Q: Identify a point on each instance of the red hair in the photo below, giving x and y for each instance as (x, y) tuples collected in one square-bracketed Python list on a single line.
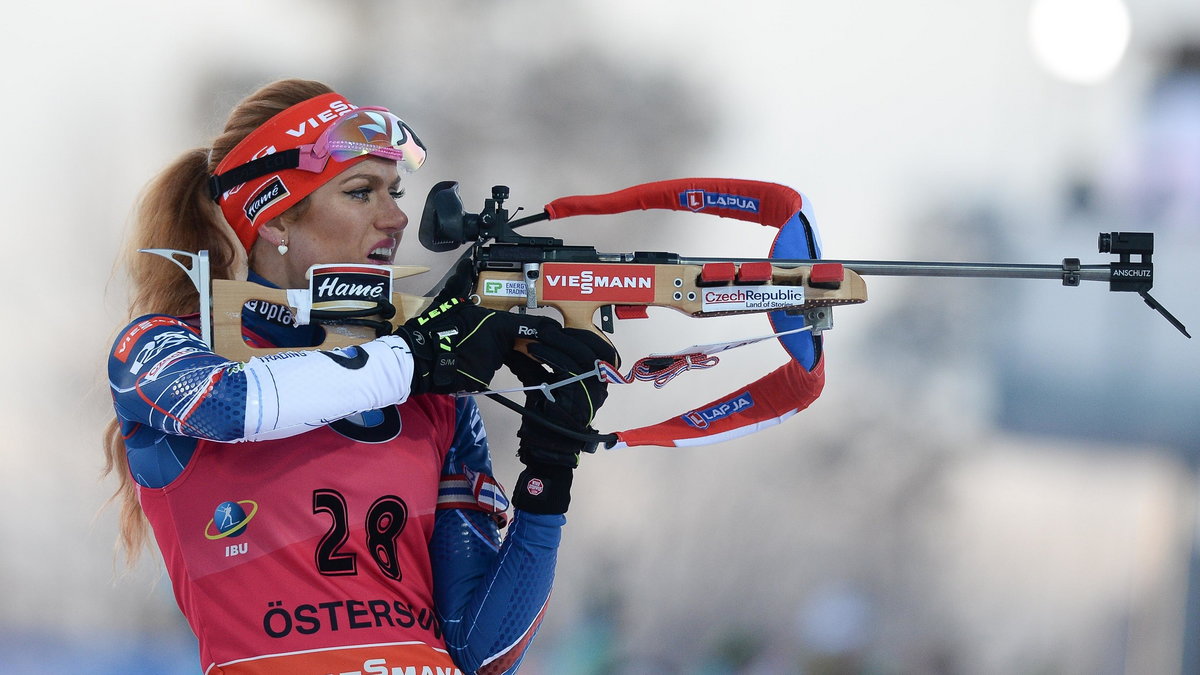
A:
[(176, 211)]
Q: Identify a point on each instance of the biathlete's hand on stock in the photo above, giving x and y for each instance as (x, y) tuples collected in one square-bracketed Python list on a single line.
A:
[(549, 456), (458, 346)]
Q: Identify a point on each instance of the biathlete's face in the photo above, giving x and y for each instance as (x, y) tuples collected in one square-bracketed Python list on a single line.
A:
[(353, 218)]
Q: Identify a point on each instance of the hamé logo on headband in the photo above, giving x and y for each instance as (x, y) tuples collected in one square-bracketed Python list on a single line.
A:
[(268, 194)]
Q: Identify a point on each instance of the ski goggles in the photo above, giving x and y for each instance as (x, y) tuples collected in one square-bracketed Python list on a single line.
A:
[(363, 131)]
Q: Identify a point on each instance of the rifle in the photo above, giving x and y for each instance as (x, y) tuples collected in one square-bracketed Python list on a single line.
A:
[(794, 285)]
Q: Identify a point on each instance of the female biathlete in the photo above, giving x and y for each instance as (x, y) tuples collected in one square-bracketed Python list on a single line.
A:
[(331, 511)]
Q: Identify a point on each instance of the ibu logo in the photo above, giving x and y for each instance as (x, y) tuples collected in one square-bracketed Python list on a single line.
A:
[(230, 519)]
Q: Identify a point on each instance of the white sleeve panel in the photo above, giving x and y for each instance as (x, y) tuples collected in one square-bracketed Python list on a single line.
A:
[(293, 392)]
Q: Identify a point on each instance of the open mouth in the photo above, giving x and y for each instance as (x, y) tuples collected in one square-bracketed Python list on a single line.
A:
[(383, 253)]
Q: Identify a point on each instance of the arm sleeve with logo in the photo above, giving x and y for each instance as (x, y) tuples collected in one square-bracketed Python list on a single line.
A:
[(161, 374), (490, 595)]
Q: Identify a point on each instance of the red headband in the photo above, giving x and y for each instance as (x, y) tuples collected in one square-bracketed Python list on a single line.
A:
[(248, 205)]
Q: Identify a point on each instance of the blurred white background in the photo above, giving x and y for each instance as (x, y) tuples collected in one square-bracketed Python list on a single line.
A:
[(1001, 476)]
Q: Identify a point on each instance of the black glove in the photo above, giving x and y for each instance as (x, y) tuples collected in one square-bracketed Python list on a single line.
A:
[(544, 486), (459, 346)]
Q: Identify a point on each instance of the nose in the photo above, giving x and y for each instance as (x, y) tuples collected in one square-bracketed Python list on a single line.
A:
[(393, 219)]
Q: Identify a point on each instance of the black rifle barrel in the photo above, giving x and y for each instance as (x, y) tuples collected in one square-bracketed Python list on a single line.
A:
[(897, 268)]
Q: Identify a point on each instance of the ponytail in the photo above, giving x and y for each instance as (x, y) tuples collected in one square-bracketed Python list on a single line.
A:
[(176, 212)]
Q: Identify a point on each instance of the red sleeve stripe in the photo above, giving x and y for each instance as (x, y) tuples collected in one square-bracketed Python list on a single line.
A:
[(510, 657)]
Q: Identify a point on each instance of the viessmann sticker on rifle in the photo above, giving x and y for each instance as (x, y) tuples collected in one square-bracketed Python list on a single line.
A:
[(601, 283), (751, 298)]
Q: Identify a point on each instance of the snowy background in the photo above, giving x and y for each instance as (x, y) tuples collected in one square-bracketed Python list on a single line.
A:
[(1001, 476)]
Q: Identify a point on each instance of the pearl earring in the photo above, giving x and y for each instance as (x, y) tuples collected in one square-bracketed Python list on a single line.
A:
[(282, 248)]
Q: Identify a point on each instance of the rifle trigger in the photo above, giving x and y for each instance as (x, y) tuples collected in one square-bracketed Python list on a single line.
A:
[(607, 324)]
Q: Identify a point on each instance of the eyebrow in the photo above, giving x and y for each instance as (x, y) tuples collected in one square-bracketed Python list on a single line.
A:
[(370, 178)]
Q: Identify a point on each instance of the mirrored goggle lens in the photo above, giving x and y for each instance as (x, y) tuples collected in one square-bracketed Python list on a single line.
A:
[(373, 132)]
